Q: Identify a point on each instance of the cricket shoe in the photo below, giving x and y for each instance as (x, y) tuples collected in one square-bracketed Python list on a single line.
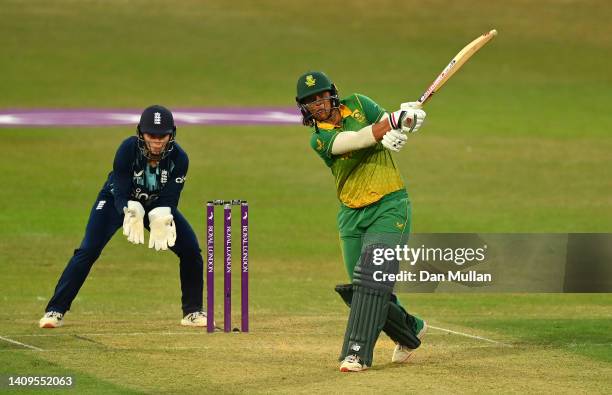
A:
[(352, 363), (401, 353), (51, 319), (197, 318)]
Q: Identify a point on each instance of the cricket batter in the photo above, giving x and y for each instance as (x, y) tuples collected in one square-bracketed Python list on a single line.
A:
[(355, 136), (142, 191)]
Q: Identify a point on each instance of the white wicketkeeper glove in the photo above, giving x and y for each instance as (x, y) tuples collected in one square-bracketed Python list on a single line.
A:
[(133, 226), (408, 118), (163, 231), (394, 140)]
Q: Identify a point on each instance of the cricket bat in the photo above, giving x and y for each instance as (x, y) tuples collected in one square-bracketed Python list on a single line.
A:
[(455, 64)]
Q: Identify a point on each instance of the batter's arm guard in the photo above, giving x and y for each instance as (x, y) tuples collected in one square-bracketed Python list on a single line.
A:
[(352, 141)]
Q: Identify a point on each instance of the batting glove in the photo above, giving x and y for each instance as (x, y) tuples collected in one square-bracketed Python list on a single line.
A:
[(133, 226), (394, 140), (411, 104), (163, 230), (407, 118)]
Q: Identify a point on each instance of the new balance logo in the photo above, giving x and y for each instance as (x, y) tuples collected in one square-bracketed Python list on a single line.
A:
[(157, 118), (101, 204)]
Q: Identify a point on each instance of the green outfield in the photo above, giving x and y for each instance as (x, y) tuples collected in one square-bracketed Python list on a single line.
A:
[(518, 141)]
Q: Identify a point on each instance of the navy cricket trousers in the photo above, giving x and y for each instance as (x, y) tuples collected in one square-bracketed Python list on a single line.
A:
[(104, 221)]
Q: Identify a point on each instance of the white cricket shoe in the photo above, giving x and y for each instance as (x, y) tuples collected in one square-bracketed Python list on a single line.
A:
[(197, 318), (401, 353), (51, 319), (352, 363)]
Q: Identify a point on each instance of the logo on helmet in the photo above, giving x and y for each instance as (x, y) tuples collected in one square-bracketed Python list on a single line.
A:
[(157, 118), (310, 81)]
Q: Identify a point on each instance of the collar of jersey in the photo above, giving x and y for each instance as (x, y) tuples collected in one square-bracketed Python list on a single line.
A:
[(344, 112)]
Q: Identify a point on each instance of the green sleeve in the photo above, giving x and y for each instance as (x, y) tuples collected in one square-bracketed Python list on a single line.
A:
[(371, 109), (322, 141)]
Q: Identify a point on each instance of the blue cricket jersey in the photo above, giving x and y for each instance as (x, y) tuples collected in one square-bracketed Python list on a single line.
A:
[(132, 178)]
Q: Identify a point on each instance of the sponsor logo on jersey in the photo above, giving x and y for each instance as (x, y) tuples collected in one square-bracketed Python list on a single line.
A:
[(358, 115), (140, 195), (320, 145), (138, 178), (180, 180)]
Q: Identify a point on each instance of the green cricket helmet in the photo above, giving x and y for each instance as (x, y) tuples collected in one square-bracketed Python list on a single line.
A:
[(311, 83)]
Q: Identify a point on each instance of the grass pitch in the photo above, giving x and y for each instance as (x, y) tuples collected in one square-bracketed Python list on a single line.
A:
[(123, 334), (129, 350), (518, 141)]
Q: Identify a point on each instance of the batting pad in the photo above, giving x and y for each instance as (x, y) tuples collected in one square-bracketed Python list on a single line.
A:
[(369, 306), (399, 325)]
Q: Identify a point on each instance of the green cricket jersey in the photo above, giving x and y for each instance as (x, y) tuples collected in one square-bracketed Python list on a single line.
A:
[(363, 176)]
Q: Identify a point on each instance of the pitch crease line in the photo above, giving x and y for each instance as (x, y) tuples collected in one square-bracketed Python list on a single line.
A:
[(6, 339), (468, 335), (110, 334)]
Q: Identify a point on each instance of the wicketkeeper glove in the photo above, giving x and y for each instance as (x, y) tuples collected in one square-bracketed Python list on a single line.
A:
[(163, 231), (133, 226)]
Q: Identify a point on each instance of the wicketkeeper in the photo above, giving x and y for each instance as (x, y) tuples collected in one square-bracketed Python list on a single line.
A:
[(355, 136), (142, 191)]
